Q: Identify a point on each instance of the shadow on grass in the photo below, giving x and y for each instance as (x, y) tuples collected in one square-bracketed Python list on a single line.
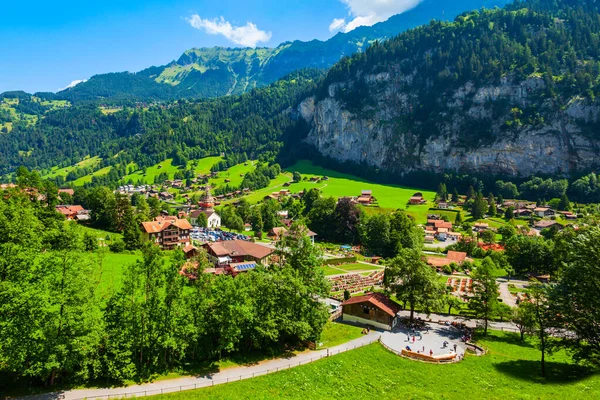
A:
[(506, 337), (556, 373)]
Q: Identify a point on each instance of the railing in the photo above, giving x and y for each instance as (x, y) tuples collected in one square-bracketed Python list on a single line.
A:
[(399, 353), (200, 385)]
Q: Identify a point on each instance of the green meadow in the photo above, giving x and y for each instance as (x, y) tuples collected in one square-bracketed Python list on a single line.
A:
[(510, 370)]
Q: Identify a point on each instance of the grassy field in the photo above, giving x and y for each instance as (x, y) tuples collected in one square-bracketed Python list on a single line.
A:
[(350, 268), (88, 162), (389, 197), (88, 178), (335, 334), (510, 370), (201, 166)]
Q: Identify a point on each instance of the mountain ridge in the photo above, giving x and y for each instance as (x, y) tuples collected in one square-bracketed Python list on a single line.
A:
[(220, 71)]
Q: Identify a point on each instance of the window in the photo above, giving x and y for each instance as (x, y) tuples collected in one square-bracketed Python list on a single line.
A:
[(366, 310)]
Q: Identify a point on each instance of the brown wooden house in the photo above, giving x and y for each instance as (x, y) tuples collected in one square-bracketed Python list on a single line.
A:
[(374, 309)]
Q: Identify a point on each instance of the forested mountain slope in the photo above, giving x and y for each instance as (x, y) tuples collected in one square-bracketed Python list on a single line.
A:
[(215, 72), (506, 92), (256, 123)]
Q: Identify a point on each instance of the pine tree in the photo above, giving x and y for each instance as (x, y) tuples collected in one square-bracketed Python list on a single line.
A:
[(491, 205), (132, 236)]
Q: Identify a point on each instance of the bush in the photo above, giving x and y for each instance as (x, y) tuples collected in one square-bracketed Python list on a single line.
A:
[(341, 260), (117, 247)]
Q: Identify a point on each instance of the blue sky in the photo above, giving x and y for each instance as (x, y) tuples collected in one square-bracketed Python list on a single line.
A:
[(45, 45)]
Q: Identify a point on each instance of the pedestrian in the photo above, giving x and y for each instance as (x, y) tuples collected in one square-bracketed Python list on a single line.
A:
[(430, 353), (414, 338), (408, 338), (423, 349), (455, 347)]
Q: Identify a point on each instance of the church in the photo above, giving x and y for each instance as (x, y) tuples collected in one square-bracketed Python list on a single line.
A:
[(207, 207)]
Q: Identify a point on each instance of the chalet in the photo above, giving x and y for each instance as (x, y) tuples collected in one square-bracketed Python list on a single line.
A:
[(190, 251), (237, 268), (238, 251), (522, 212), (66, 191), (374, 309), (456, 257), (545, 224), (481, 226), (167, 232), (165, 196), (417, 199), (73, 213), (442, 205), (283, 214), (277, 233), (247, 227), (544, 212)]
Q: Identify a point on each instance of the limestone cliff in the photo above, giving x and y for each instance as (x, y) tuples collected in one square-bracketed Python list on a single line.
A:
[(505, 129)]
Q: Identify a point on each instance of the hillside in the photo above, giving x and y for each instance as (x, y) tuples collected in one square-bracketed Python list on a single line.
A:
[(215, 72), (517, 101)]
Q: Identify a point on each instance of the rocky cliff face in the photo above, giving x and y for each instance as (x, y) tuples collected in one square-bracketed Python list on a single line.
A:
[(506, 129)]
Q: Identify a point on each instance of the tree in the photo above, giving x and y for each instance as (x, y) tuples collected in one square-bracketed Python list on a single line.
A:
[(491, 205), (132, 235), (459, 219), (529, 254), (507, 232), (296, 176), (470, 193), (485, 291), (202, 220), (257, 223), (377, 234), (544, 318), (90, 243), (321, 218), (413, 281), (479, 207), (488, 237), (451, 302), (509, 213), (524, 318), (347, 217), (576, 295), (455, 196), (564, 204), (442, 192)]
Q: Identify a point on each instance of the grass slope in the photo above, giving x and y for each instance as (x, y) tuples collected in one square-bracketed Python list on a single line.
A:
[(509, 371), (390, 197)]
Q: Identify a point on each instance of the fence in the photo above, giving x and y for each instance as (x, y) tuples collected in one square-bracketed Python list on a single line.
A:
[(200, 385)]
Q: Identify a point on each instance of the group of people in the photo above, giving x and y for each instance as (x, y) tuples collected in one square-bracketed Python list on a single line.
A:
[(421, 351)]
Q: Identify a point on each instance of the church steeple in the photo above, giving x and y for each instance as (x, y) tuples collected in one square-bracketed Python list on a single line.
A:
[(207, 202)]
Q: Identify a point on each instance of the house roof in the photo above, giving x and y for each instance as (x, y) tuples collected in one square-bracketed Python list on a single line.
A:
[(236, 248), (189, 248), (69, 210), (541, 209), (378, 300), (457, 256), (163, 223)]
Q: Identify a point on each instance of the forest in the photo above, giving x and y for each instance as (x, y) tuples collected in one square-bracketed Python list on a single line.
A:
[(60, 325)]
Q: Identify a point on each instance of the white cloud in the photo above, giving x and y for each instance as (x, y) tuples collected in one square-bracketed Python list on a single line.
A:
[(248, 35), (337, 24), (73, 84), (370, 12)]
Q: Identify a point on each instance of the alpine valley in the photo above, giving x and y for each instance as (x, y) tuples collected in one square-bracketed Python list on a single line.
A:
[(498, 92)]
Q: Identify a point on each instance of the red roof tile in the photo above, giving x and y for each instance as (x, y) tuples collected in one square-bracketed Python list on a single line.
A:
[(378, 300)]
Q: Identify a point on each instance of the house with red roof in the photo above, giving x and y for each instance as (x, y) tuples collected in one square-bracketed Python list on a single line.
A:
[(167, 232), (374, 309)]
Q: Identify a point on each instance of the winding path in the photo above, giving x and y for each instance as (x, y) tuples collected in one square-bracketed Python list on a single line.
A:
[(217, 378)]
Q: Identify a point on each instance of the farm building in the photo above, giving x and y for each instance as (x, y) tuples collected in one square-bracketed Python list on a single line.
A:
[(373, 309)]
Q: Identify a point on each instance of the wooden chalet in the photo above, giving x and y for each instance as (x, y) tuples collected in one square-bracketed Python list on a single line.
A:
[(373, 309)]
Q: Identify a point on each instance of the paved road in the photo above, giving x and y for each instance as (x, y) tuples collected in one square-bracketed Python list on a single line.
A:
[(471, 323), (224, 376)]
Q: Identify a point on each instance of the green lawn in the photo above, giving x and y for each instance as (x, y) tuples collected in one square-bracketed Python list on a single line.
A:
[(350, 268), (510, 370), (55, 171), (151, 172), (335, 334), (110, 268), (233, 175), (88, 178), (390, 197)]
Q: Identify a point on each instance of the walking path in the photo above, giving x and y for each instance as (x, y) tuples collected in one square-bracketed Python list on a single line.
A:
[(471, 323), (225, 376)]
